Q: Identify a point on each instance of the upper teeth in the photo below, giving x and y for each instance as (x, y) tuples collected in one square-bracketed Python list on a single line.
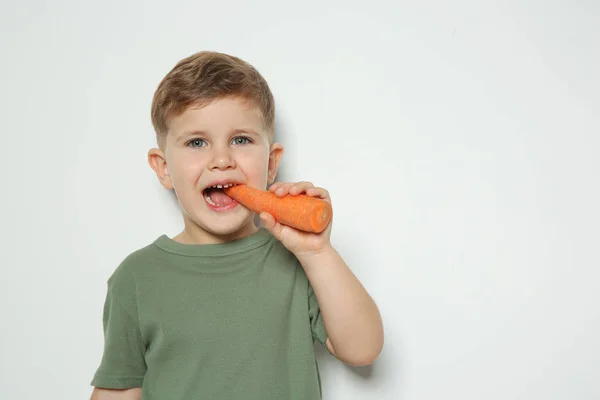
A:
[(222, 186)]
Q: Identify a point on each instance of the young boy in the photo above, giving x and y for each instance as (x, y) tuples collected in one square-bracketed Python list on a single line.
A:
[(226, 309)]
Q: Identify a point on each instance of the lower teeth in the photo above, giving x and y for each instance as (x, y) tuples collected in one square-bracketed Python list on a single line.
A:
[(209, 201)]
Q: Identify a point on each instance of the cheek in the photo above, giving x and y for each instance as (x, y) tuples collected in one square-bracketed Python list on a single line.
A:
[(255, 166), (186, 169)]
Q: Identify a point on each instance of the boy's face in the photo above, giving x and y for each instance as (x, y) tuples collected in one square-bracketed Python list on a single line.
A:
[(222, 142)]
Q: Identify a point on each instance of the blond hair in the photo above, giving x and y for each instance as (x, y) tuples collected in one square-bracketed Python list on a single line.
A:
[(204, 77)]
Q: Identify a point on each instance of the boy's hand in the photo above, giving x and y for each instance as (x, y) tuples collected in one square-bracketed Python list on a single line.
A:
[(351, 317), (298, 242)]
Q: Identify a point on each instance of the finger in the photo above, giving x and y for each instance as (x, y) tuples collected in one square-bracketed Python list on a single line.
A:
[(300, 187), (283, 189), (267, 220), (274, 186), (318, 192), (271, 224)]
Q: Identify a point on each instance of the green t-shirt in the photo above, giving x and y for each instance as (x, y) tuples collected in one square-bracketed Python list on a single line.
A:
[(216, 321)]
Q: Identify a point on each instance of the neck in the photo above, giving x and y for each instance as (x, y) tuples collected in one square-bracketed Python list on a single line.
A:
[(194, 234)]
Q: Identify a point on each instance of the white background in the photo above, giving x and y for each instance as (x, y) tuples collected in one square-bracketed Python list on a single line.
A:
[(459, 141)]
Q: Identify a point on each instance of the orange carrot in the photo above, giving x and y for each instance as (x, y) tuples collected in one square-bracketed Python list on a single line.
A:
[(303, 212)]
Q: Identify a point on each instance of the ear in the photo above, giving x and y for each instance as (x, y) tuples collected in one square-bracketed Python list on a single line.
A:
[(274, 157), (158, 162)]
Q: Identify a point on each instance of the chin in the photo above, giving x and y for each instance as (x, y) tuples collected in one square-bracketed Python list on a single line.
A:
[(228, 225)]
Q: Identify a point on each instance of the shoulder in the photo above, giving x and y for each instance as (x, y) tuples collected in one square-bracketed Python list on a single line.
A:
[(282, 261), (124, 275), (280, 254)]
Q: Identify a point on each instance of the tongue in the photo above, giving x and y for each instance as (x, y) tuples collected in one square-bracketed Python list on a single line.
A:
[(219, 197)]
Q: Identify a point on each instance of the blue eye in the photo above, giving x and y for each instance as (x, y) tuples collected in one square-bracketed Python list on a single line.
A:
[(196, 143), (242, 140)]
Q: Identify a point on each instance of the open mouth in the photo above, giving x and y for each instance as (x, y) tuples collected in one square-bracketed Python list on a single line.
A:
[(216, 197)]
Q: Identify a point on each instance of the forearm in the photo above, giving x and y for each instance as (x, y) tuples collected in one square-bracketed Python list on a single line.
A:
[(351, 317), (116, 394)]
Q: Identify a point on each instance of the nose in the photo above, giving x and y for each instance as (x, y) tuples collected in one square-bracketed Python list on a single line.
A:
[(222, 159)]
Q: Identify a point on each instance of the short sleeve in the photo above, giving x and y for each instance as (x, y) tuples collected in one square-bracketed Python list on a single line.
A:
[(317, 325), (122, 365)]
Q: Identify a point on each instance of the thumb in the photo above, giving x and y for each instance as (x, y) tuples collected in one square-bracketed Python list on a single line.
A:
[(271, 224)]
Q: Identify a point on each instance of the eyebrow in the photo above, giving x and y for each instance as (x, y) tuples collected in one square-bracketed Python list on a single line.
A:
[(190, 133), (246, 130), (187, 134)]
